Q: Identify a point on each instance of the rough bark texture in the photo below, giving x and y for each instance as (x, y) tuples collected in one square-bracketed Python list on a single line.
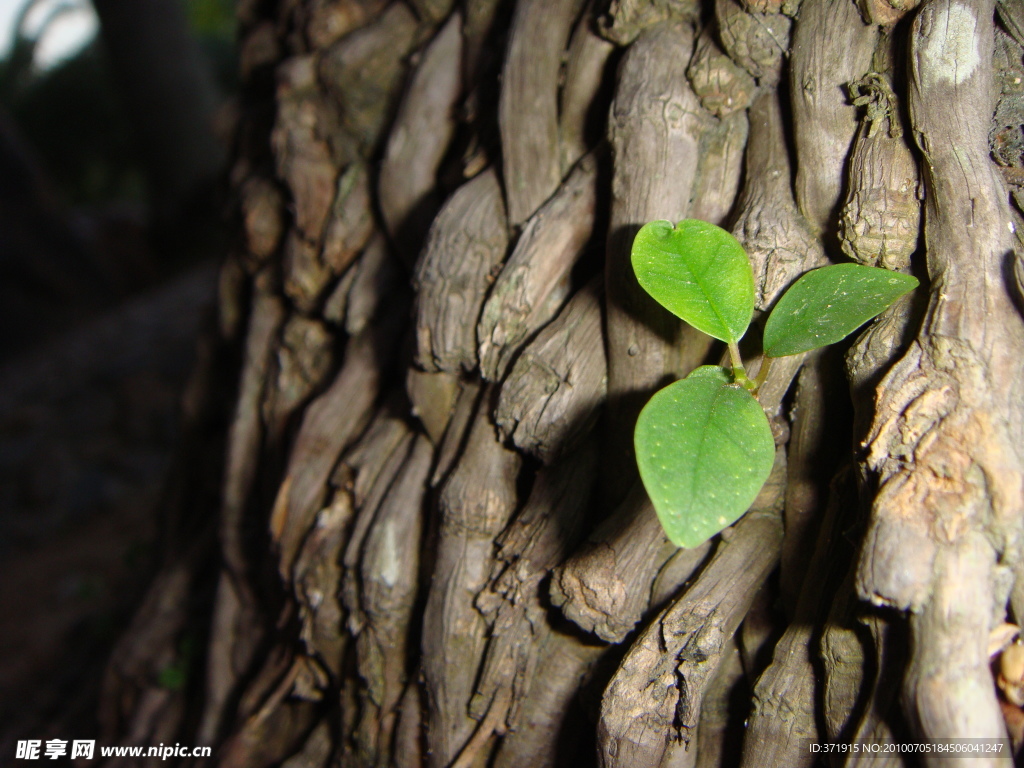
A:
[(535, 280), (430, 545), (831, 48), (529, 103), (937, 401), (420, 136), (466, 242)]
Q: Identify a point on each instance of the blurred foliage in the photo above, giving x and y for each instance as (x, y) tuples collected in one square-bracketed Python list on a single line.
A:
[(213, 23), (212, 18)]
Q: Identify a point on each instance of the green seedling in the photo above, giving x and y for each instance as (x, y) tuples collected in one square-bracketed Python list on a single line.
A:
[(703, 444)]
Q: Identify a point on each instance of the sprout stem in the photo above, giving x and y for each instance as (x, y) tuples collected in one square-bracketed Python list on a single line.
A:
[(738, 371), (762, 373)]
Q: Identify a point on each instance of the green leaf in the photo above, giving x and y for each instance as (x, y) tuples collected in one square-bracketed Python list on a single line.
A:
[(828, 304), (704, 449), (716, 372), (698, 272)]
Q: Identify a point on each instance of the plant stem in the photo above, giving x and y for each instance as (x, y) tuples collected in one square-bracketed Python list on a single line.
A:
[(738, 371), (762, 373)]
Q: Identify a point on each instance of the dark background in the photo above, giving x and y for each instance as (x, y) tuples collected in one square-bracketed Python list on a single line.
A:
[(111, 230)]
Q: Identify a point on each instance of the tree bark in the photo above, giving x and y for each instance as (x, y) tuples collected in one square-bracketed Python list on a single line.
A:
[(431, 546)]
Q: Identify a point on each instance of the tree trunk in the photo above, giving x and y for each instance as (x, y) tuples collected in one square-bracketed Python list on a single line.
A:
[(428, 544)]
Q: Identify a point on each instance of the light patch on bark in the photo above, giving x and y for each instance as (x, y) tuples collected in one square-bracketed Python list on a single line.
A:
[(953, 56), (390, 563)]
